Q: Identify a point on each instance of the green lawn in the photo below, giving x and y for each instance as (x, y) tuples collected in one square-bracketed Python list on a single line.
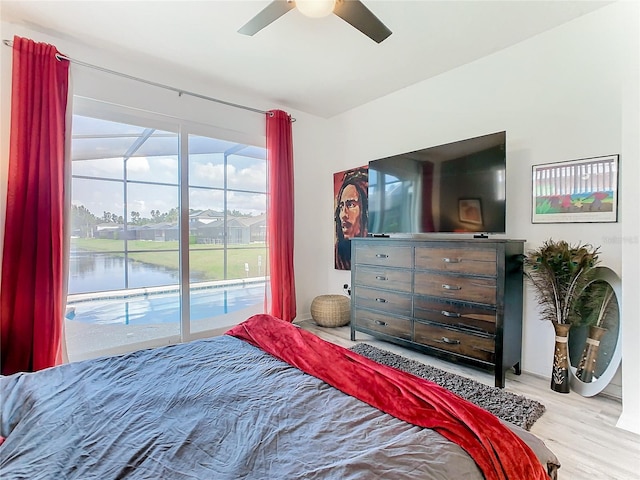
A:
[(207, 261)]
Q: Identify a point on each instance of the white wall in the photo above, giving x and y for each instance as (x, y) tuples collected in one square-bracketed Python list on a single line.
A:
[(630, 239), (563, 95)]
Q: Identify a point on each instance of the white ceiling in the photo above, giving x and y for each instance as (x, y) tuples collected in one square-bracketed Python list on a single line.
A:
[(320, 66)]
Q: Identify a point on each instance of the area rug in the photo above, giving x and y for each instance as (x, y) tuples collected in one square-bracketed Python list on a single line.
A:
[(508, 406)]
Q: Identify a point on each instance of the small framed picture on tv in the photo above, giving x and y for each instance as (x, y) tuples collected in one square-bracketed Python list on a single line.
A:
[(470, 210), (576, 191)]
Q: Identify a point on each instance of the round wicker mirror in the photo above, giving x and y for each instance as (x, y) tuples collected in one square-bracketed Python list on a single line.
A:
[(595, 348)]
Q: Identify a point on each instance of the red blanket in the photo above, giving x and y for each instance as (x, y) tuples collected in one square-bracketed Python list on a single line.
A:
[(499, 453)]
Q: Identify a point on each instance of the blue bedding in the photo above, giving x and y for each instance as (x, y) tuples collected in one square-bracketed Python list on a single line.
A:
[(210, 409)]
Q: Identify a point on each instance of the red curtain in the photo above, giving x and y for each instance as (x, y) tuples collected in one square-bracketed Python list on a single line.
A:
[(280, 216), (33, 278)]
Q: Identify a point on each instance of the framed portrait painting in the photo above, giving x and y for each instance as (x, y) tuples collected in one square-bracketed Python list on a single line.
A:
[(576, 191), (350, 212)]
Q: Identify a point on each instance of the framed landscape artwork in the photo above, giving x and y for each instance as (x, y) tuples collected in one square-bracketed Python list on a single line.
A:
[(576, 191)]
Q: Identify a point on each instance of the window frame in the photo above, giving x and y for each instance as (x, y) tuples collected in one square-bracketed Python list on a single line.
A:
[(184, 128)]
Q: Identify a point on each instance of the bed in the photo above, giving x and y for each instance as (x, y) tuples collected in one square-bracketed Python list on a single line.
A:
[(268, 400)]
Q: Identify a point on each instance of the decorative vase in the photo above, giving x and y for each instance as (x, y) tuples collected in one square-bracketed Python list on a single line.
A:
[(587, 365), (560, 373)]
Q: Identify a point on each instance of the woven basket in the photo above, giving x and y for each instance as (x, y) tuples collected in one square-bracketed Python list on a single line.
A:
[(331, 310)]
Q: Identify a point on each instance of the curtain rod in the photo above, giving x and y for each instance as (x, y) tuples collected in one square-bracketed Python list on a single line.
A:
[(179, 91)]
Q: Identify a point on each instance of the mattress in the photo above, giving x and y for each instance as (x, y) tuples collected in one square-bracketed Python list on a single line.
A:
[(218, 408)]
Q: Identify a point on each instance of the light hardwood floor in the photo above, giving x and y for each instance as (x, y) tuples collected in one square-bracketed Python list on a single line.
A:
[(580, 431)]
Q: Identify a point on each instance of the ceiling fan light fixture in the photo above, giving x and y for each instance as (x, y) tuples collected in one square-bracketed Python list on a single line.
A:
[(315, 8)]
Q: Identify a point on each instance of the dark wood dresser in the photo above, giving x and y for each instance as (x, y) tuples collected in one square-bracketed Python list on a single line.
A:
[(460, 299)]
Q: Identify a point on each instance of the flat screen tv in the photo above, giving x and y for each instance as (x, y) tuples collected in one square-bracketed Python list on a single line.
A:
[(458, 187)]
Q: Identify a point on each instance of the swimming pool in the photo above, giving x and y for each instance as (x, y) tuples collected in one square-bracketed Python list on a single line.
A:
[(165, 307)]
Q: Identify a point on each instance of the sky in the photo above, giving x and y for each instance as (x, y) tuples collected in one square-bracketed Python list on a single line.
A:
[(99, 150)]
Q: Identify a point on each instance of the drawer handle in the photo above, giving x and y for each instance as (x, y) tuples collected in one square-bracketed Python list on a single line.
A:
[(451, 287), (381, 300), (381, 277), (381, 323), (382, 255), (450, 314), (450, 341), (451, 260)]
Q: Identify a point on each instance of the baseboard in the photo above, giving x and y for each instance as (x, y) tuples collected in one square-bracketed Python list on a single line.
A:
[(630, 423)]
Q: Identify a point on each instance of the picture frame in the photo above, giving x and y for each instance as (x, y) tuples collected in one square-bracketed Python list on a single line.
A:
[(576, 191), (470, 211), (350, 212)]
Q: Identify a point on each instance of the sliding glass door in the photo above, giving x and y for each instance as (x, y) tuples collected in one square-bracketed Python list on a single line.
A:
[(139, 210), (227, 221)]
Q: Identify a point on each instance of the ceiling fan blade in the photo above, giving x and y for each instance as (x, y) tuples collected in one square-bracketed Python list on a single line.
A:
[(355, 13), (269, 14)]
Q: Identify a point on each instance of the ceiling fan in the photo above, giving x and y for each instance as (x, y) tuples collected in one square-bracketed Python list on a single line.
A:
[(351, 11)]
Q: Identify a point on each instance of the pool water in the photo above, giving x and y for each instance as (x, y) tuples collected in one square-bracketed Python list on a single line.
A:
[(165, 307)]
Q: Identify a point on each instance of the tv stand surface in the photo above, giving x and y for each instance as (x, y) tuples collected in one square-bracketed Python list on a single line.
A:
[(454, 298)]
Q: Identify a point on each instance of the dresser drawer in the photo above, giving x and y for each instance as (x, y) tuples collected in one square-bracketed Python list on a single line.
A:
[(384, 255), (384, 300), (380, 277), (457, 260), (379, 322), (471, 317), (457, 298), (474, 346), (470, 289)]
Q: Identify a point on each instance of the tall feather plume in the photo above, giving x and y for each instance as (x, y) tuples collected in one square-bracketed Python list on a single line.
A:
[(559, 273)]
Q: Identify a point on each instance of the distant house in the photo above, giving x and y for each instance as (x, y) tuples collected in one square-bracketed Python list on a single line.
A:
[(109, 231), (247, 229), (205, 217), (205, 227), (241, 230), (157, 232)]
